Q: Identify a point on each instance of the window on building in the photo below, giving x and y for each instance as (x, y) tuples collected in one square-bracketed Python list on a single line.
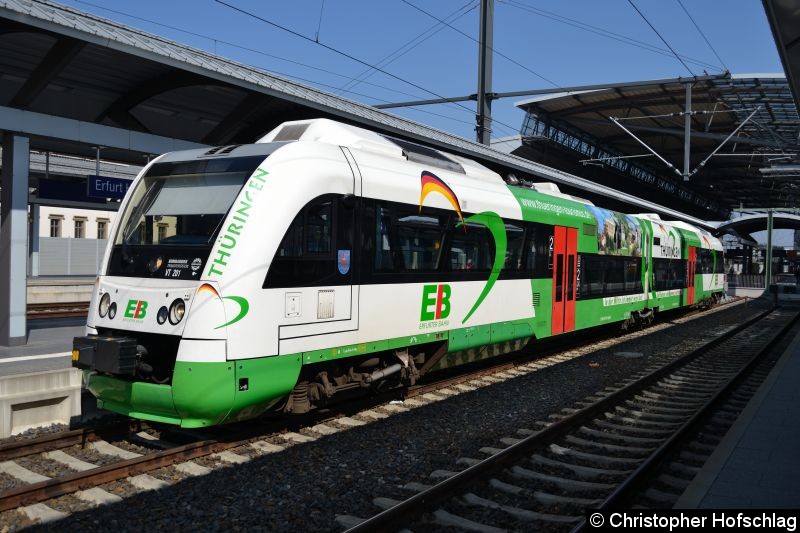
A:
[(102, 229), (162, 232), (80, 230), (55, 227)]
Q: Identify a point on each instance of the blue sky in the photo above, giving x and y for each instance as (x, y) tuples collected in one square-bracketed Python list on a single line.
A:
[(550, 43)]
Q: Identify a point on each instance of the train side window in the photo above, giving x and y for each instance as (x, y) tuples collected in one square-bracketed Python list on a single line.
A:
[(306, 256), (539, 251), (603, 276), (559, 277), (470, 250), (669, 274), (514, 248)]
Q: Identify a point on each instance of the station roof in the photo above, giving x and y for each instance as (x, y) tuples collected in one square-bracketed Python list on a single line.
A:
[(749, 170), (784, 19), (758, 221), (58, 61)]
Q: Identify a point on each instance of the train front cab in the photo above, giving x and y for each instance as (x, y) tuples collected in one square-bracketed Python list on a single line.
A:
[(156, 343)]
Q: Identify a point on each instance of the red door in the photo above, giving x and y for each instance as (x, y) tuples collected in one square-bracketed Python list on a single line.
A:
[(690, 271), (565, 259)]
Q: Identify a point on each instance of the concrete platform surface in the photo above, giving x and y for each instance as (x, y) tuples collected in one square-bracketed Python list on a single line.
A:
[(757, 466), (49, 347)]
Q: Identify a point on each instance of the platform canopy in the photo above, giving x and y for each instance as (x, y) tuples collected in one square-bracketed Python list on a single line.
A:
[(743, 138), (751, 223)]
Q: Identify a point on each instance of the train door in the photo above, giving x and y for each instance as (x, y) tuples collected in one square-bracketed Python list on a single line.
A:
[(313, 309), (690, 270), (565, 260)]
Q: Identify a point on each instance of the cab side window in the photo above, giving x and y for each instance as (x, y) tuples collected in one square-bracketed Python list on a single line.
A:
[(316, 242)]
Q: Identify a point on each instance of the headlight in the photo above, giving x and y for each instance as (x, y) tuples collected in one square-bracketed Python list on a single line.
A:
[(176, 311), (105, 303), (112, 311), (163, 313)]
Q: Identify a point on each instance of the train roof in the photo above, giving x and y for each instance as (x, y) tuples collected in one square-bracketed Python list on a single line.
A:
[(340, 134)]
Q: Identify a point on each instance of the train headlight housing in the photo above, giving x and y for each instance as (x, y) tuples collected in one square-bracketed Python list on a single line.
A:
[(176, 311), (163, 313), (112, 311), (105, 304)]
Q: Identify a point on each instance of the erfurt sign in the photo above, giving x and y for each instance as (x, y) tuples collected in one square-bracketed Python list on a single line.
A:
[(106, 187)]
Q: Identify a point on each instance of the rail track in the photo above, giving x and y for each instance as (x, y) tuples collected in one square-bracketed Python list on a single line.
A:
[(131, 449), (57, 310), (635, 444)]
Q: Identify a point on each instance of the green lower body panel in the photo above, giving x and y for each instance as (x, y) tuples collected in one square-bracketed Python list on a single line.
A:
[(136, 399), (202, 394)]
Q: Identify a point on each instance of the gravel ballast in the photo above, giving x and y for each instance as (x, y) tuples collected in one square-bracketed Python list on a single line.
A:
[(305, 486)]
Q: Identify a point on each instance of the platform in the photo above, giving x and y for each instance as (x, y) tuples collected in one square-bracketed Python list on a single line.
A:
[(49, 346), (756, 466), (59, 289)]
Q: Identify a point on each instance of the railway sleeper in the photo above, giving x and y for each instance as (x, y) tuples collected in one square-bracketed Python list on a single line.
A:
[(683, 469), (687, 384), (563, 483), (619, 437), (586, 472), (682, 388), (660, 408), (675, 483), (628, 429), (609, 461), (661, 497), (611, 448), (673, 397), (517, 512), (444, 518), (543, 498), (690, 457), (637, 421), (645, 416)]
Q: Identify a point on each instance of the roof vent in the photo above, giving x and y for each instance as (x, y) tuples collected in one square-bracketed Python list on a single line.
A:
[(427, 156), (220, 150), (291, 132)]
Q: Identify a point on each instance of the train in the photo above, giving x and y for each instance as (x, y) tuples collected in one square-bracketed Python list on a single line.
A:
[(327, 261)]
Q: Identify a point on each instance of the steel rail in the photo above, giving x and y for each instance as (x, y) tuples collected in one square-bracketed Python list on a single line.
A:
[(399, 515), (53, 488), (60, 440), (639, 475)]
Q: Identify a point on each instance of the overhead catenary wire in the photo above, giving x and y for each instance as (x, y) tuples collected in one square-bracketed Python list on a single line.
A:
[(661, 37), (330, 48), (493, 50), (703, 35), (319, 24), (279, 58), (601, 32), (351, 57), (414, 42)]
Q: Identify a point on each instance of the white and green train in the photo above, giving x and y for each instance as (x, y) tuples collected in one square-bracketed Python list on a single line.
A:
[(328, 260)]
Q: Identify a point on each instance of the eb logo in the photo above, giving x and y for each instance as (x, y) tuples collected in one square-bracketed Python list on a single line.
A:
[(435, 302), (136, 309)]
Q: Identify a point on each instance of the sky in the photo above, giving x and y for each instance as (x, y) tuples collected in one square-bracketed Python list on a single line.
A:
[(538, 44)]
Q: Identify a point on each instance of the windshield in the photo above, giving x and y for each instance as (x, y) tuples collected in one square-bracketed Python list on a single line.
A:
[(183, 203), (174, 215)]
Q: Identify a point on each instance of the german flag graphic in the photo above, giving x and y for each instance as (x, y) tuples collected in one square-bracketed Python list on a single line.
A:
[(431, 183)]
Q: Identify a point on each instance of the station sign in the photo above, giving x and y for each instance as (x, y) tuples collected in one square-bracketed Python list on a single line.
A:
[(106, 187)]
